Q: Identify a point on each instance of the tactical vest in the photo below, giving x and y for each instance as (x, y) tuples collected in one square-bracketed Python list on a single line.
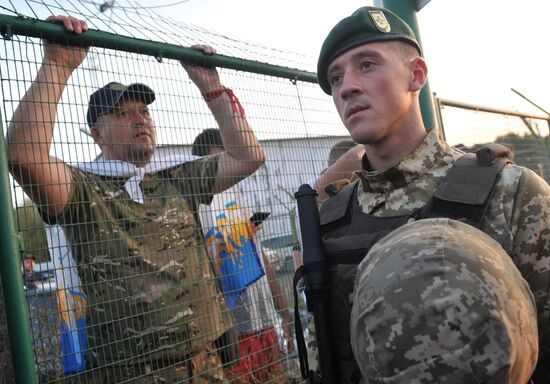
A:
[(348, 234)]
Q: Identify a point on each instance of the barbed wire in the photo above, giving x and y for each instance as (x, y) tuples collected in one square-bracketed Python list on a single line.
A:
[(130, 18), (156, 6)]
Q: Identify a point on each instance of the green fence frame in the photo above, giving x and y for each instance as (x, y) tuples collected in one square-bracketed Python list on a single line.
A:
[(13, 25), (10, 265), (12, 281)]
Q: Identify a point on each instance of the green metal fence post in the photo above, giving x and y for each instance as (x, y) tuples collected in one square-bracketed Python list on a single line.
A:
[(406, 9), (12, 281)]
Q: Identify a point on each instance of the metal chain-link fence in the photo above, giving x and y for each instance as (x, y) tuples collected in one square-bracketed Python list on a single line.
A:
[(127, 290)]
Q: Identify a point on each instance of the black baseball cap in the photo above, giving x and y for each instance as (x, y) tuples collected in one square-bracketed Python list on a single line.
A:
[(104, 99)]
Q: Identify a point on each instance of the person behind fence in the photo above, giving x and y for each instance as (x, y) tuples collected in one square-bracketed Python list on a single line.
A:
[(29, 274), (436, 300), (29, 262), (253, 307), (154, 310), (339, 149)]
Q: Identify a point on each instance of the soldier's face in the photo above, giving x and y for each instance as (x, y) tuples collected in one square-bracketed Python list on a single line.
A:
[(371, 90), (127, 133)]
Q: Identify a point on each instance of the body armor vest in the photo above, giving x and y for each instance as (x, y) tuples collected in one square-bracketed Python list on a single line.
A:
[(348, 234)]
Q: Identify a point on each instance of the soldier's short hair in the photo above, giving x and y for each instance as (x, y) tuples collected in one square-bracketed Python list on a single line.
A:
[(207, 139)]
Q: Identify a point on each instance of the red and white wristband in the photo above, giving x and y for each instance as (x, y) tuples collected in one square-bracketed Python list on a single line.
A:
[(237, 107)]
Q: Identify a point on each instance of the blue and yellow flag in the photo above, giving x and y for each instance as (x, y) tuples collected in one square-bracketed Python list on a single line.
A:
[(72, 303), (235, 259), (72, 326)]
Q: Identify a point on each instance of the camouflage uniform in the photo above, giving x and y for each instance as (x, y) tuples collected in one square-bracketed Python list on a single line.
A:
[(438, 301), (153, 300), (518, 216)]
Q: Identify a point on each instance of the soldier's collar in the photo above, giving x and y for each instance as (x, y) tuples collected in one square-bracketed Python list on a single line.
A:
[(413, 166)]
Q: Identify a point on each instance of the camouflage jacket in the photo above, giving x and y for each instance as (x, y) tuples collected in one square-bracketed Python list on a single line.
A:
[(518, 216), (151, 291)]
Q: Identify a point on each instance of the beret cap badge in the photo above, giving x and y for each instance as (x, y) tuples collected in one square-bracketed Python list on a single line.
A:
[(380, 21)]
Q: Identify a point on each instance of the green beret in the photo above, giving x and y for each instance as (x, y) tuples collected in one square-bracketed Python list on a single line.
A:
[(365, 25)]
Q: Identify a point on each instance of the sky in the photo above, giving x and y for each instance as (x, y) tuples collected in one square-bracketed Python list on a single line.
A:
[(477, 50)]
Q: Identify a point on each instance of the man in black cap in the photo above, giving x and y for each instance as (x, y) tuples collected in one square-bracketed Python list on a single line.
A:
[(154, 309), (409, 325)]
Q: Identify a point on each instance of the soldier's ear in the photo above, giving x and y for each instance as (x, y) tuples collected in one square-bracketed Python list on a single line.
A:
[(419, 74)]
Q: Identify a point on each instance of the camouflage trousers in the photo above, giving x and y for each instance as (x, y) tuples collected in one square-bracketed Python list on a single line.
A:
[(205, 367)]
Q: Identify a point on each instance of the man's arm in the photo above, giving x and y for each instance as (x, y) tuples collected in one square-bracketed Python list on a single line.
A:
[(46, 179), (243, 153), (341, 171), (280, 301)]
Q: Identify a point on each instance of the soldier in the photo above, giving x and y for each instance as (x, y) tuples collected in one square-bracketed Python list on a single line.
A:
[(155, 311), (371, 63)]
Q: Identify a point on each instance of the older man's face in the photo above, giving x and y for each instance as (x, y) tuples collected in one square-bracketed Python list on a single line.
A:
[(127, 133)]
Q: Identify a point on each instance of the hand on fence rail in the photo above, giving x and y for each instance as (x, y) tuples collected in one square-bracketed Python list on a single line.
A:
[(243, 153), (65, 57), (44, 178)]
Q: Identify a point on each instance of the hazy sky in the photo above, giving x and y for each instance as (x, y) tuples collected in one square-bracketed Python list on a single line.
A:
[(476, 49)]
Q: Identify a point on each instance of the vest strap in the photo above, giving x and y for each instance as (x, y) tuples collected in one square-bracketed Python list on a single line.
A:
[(466, 191)]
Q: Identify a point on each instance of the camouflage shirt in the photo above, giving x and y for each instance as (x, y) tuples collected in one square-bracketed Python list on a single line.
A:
[(518, 216), (151, 292)]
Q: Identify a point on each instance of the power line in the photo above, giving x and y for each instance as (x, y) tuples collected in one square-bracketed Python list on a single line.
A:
[(111, 4), (106, 5), (154, 6), (7, 9)]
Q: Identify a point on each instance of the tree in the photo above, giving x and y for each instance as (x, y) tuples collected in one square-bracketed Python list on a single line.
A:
[(30, 227)]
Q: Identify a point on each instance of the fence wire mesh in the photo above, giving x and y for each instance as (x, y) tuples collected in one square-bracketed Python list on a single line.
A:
[(528, 137), (122, 294), (127, 289)]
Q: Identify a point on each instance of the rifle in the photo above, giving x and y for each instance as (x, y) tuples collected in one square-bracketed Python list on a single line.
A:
[(315, 273)]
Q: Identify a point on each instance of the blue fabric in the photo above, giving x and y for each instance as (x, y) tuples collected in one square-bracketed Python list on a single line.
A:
[(237, 257), (74, 345)]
